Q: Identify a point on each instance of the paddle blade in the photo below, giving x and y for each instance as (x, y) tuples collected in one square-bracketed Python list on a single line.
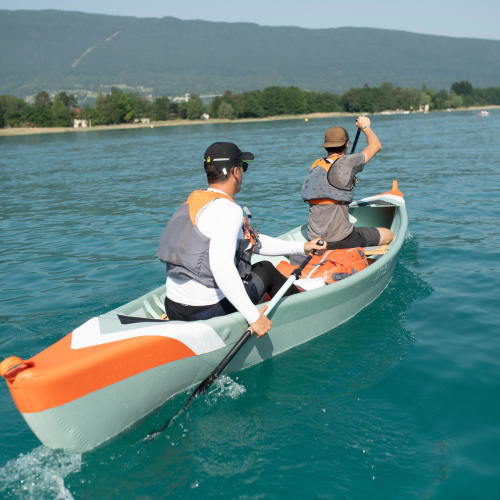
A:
[(154, 434)]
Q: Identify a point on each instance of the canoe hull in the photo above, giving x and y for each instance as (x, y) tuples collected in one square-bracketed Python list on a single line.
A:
[(84, 422)]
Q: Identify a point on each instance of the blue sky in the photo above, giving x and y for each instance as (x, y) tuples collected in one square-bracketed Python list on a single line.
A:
[(458, 18)]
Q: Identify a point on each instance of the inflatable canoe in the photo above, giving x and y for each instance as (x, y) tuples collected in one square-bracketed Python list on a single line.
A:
[(116, 368)]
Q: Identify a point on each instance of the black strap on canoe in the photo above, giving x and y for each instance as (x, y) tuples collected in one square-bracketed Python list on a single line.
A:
[(127, 320)]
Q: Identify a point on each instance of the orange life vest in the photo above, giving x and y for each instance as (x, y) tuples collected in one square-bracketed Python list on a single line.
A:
[(332, 266)]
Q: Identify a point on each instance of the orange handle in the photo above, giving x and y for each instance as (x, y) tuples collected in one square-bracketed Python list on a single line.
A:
[(395, 189), (11, 366)]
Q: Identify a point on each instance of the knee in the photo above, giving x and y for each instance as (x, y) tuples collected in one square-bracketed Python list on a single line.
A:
[(386, 235), (262, 266)]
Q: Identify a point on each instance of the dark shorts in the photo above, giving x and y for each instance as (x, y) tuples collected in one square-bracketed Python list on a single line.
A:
[(360, 237), (184, 312)]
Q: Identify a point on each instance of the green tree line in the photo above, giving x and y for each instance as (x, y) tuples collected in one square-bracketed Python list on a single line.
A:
[(125, 107), (291, 100)]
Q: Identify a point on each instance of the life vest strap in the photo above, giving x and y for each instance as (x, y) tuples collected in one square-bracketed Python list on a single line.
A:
[(251, 234), (326, 201)]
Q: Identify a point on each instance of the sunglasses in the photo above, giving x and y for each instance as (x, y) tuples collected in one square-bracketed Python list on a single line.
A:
[(244, 166)]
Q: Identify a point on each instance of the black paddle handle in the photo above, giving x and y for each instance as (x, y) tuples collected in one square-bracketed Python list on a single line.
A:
[(306, 261), (354, 144)]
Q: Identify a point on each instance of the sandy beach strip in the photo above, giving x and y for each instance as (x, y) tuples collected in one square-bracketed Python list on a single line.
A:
[(166, 123)]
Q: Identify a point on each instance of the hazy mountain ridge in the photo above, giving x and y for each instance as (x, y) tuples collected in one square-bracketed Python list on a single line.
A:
[(56, 50)]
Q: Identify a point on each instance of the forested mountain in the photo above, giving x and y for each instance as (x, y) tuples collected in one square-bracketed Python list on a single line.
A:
[(59, 50)]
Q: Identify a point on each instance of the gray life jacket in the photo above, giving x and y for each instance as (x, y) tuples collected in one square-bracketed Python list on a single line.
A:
[(316, 187), (185, 249)]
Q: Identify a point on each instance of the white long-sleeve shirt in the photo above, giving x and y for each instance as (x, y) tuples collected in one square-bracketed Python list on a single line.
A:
[(221, 221)]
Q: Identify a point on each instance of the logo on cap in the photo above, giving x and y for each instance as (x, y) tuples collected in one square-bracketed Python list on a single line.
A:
[(226, 153)]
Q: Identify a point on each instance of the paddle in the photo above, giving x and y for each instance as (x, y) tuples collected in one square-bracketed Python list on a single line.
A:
[(355, 141), (230, 355)]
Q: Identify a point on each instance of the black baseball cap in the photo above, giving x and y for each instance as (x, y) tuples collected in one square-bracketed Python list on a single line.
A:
[(226, 154)]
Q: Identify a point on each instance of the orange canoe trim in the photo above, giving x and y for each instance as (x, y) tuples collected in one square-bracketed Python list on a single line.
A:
[(395, 190), (60, 374)]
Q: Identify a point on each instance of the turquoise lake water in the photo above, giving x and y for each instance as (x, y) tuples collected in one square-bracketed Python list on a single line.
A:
[(402, 401)]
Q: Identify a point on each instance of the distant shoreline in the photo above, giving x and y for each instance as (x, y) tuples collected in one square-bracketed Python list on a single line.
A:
[(165, 123), (5, 132)]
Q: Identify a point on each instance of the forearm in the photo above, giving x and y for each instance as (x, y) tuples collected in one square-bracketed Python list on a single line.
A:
[(371, 138), (276, 246), (373, 143)]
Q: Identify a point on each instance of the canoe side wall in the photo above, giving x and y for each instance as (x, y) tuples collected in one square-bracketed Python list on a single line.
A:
[(296, 324), (89, 421)]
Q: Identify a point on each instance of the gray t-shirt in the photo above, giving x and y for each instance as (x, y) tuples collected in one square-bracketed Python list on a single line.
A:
[(331, 221)]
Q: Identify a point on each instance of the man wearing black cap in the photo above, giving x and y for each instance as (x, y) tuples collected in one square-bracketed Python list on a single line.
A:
[(329, 188), (208, 244)]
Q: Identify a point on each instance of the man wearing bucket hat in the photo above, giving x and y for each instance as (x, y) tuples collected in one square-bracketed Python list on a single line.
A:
[(208, 244), (329, 188)]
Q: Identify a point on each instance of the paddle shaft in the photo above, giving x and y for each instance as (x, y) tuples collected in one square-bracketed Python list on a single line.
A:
[(354, 144), (241, 342), (230, 355)]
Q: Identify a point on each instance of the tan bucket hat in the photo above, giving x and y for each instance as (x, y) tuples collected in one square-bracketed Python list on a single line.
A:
[(335, 137)]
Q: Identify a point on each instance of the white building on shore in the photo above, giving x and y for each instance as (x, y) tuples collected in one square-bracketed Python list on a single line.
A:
[(78, 123)]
